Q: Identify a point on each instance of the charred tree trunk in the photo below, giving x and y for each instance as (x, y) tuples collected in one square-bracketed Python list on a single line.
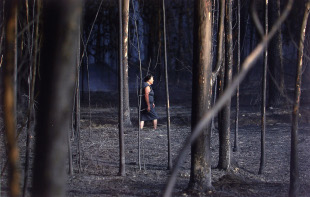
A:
[(31, 110), (121, 97), (224, 134), (294, 169), (264, 93), (9, 96), (167, 91), (127, 120), (236, 142), (200, 178), (140, 82), (61, 21), (78, 96), (220, 68), (276, 80)]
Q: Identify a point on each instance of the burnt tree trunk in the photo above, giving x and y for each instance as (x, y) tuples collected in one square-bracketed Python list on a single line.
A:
[(167, 91), (294, 169), (200, 177), (31, 111), (224, 133), (9, 96), (61, 22), (236, 142), (264, 93), (78, 97), (121, 97), (127, 120)]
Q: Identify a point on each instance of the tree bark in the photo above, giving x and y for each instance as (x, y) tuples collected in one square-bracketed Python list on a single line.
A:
[(31, 111), (167, 91), (200, 178), (78, 97), (236, 142), (121, 97), (60, 30), (127, 120), (140, 82), (224, 134), (9, 96), (294, 169), (264, 93)]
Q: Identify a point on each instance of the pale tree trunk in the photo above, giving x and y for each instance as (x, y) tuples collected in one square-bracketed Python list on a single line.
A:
[(9, 96), (224, 133), (127, 120), (60, 30), (121, 97), (264, 93), (294, 169), (200, 178)]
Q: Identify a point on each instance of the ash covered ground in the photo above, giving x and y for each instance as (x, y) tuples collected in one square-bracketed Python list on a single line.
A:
[(100, 155)]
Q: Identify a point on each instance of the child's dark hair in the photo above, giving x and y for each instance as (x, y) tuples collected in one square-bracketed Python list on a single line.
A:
[(148, 77)]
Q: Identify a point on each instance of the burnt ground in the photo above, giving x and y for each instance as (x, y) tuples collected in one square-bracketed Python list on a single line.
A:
[(99, 147)]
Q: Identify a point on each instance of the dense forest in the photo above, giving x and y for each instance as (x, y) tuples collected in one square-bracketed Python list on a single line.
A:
[(231, 83)]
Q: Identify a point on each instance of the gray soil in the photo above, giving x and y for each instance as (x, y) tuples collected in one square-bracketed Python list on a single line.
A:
[(98, 175)]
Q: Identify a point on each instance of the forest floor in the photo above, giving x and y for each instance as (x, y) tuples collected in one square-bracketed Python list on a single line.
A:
[(100, 155)]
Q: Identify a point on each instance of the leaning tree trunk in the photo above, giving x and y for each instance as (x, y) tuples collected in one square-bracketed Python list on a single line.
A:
[(9, 96), (276, 80), (224, 134), (127, 120), (200, 178), (263, 107), (61, 21), (121, 97), (294, 170)]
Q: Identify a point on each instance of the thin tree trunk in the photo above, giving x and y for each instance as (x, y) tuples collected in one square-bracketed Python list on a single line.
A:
[(140, 87), (236, 142), (167, 91), (56, 95), (200, 178), (78, 99), (220, 68), (31, 93), (224, 134), (121, 97), (125, 11), (9, 96), (294, 169), (264, 95)]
